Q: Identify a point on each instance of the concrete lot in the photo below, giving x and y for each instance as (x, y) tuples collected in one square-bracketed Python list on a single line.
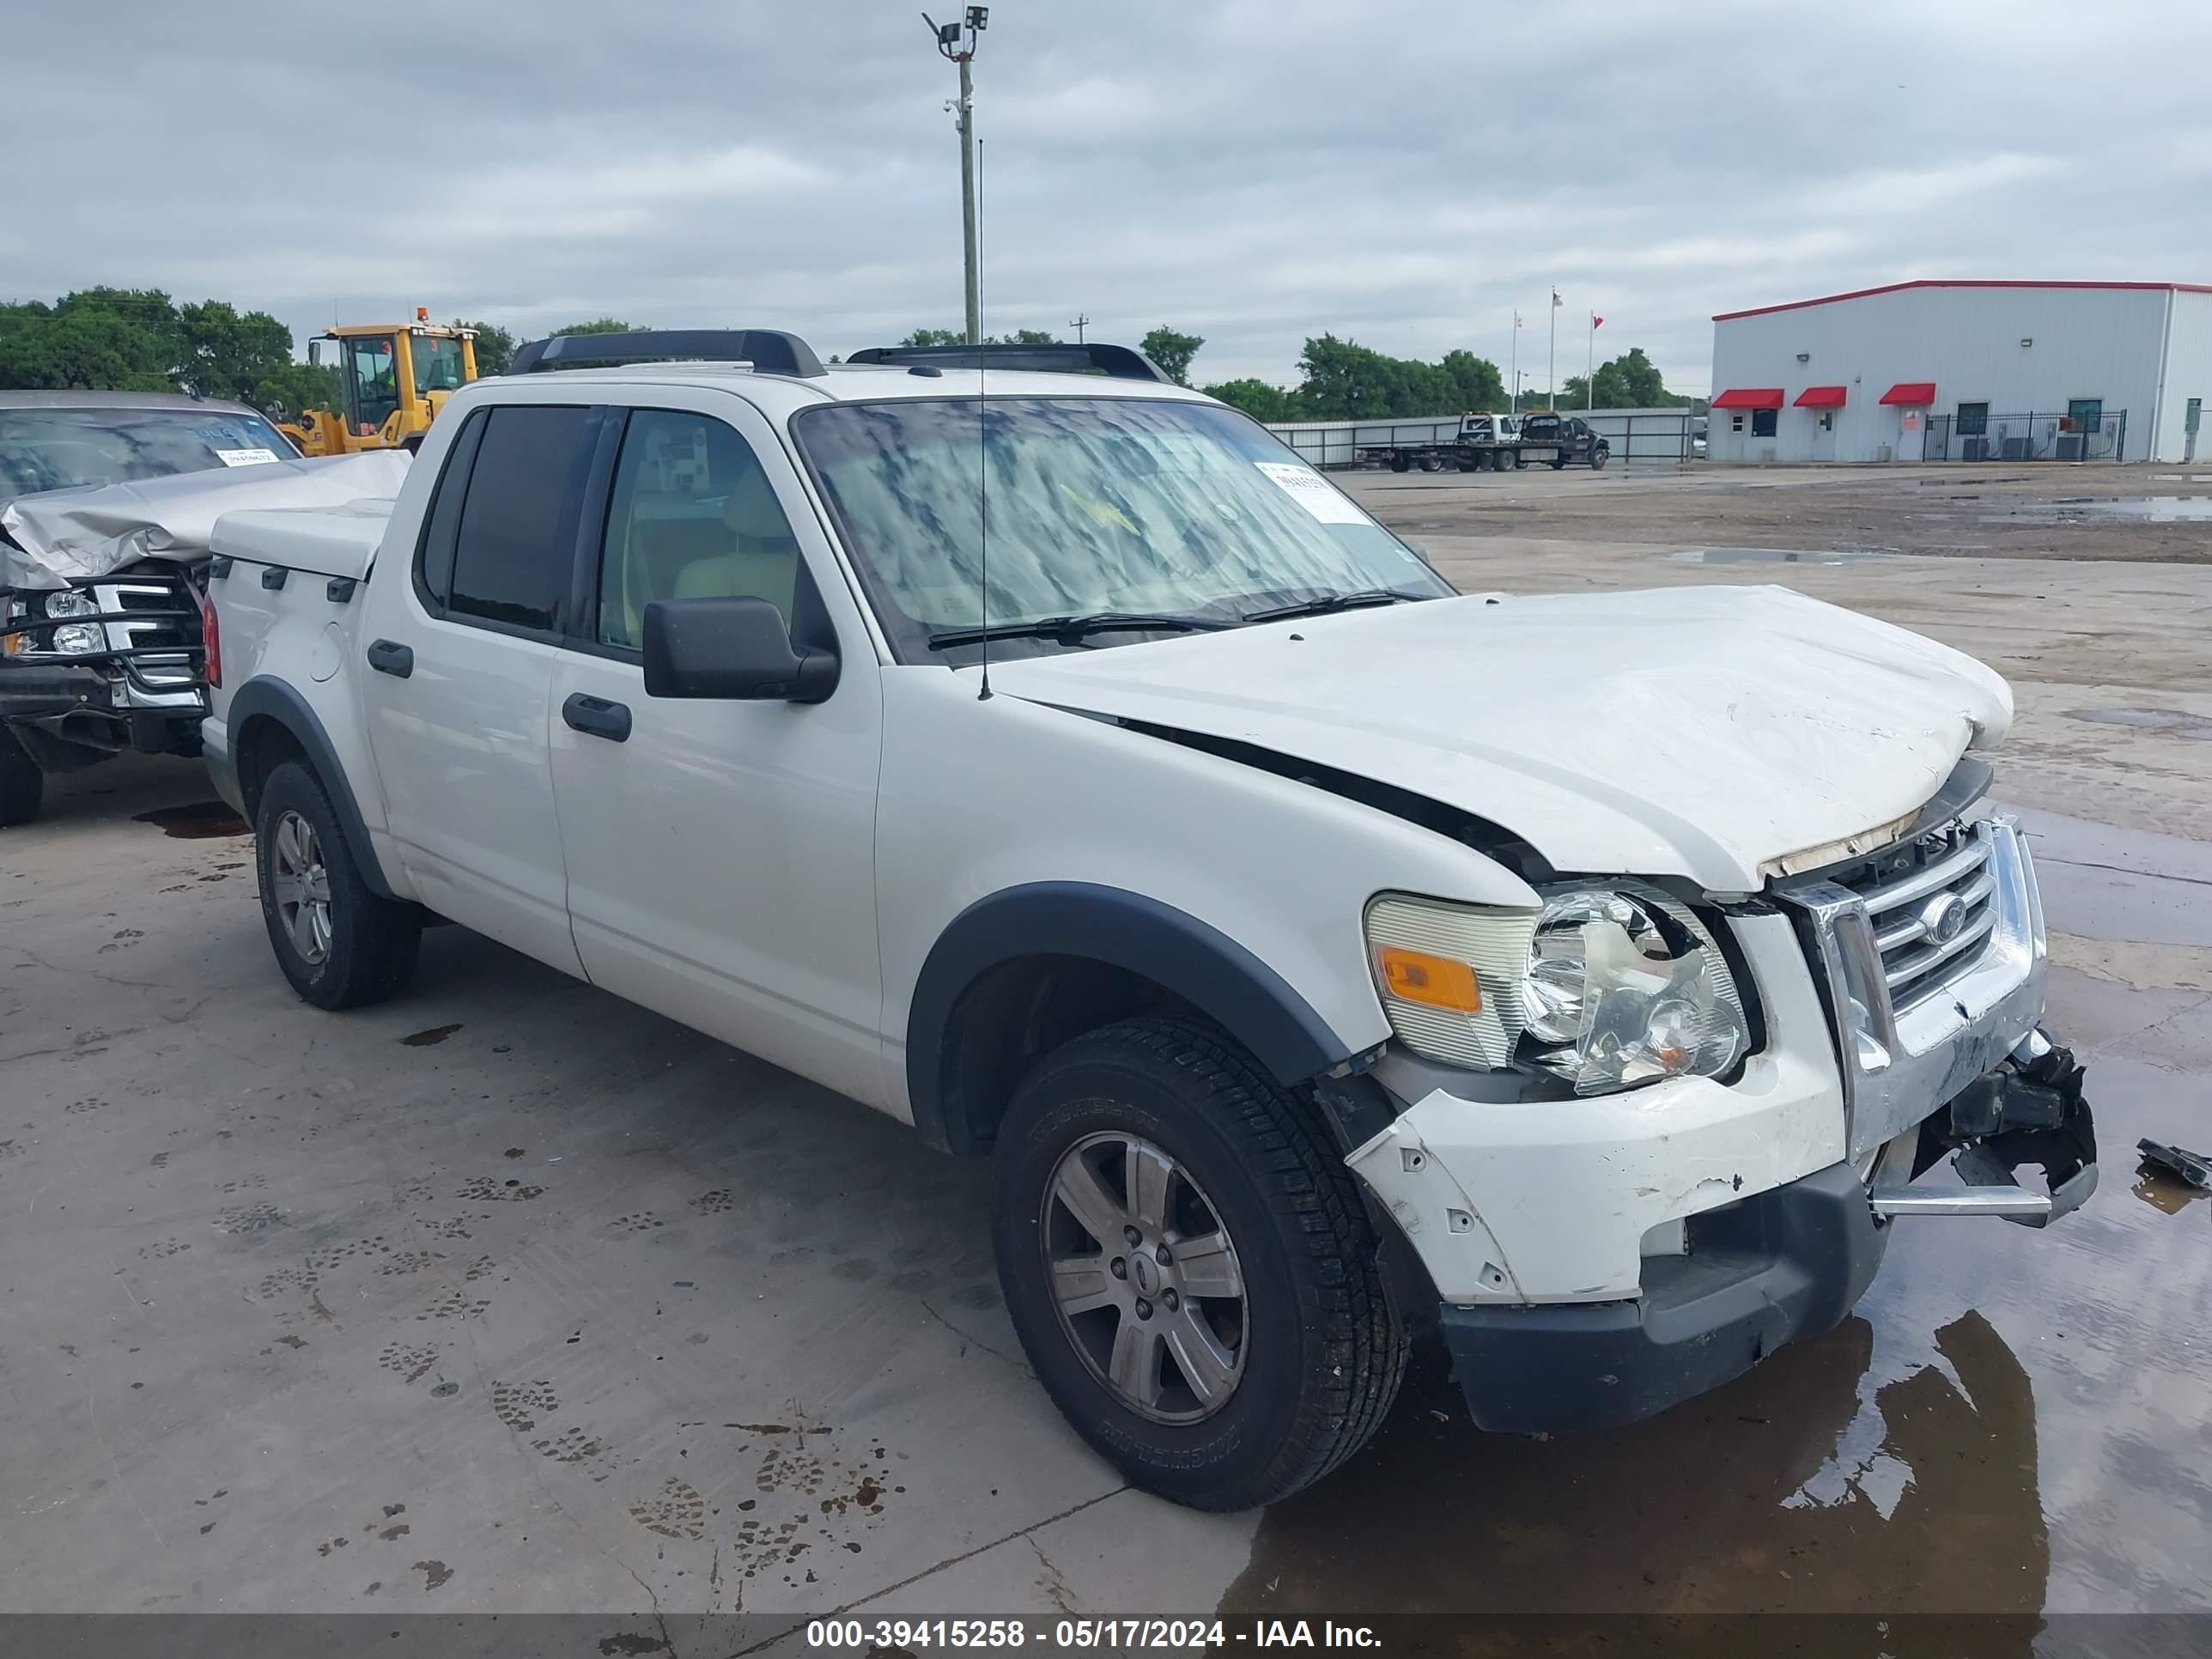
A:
[(509, 1296)]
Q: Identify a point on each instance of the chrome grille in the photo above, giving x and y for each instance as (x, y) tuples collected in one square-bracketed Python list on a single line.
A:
[(1929, 903)]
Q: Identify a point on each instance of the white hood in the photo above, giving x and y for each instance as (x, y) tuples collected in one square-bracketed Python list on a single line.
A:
[(1697, 732)]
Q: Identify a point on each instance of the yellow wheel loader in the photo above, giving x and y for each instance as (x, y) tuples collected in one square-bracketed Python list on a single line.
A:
[(395, 377)]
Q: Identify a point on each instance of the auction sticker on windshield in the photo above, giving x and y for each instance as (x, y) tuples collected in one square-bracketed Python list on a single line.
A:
[(1312, 492), (245, 457)]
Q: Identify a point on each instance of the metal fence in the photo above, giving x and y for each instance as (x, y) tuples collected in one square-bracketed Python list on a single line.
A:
[(1637, 436), (2046, 436)]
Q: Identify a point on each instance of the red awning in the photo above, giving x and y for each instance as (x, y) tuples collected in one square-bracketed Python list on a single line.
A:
[(1755, 397), (1914, 394), (1821, 397)]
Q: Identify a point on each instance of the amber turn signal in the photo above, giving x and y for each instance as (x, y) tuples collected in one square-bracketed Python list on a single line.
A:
[(1437, 982)]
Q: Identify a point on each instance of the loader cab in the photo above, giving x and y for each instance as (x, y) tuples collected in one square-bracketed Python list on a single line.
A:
[(407, 370)]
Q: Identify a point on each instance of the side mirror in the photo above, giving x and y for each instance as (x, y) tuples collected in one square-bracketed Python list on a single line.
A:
[(731, 648)]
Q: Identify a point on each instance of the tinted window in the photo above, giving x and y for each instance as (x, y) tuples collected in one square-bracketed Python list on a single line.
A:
[(435, 563), (1973, 420), (1762, 422), (511, 560), (692, 516)]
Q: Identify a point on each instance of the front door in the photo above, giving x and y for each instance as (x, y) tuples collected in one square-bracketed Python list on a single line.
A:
[(720, 853), (2086, 416), (1823, 445), (459, 736)]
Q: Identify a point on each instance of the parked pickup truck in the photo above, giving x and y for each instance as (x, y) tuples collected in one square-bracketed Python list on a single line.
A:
[(1482, 441), (1559, 438), (1319, 955)]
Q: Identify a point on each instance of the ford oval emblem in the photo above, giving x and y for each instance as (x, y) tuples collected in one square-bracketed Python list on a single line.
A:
[(1942, 917)]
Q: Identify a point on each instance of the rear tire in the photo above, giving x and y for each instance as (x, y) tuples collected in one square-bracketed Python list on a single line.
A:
[(1401, 463), (23, 785), (339, 943), (1225, 1398), (1558, 461)]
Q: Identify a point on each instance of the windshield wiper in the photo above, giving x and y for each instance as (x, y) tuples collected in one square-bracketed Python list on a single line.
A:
[(1329, 602), (1069, 629)]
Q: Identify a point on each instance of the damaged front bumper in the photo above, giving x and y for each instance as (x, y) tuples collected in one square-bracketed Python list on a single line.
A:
[(1599, 1260), (1777, 1267)]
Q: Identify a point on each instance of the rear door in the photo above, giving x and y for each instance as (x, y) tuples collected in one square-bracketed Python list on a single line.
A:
[(721, 853), (457, 707)]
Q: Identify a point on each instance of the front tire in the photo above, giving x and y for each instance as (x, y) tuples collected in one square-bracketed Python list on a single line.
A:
[(339, 943), (23, 785), (1599, 458), (1189, 1267)]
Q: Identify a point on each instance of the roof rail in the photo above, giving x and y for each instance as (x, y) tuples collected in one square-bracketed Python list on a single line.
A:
[(769, 350), (1120, 362)]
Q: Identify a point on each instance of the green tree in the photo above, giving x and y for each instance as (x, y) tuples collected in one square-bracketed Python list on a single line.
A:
[(495, 346), (229, 354), (1476, 384), (53, 348), (597, 325), (935, 336), (1260, 399), (1630, 380), (953, 336), (1172, 351)]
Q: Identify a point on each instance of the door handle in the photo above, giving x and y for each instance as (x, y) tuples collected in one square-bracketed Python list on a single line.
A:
[(390, 657), (597, 716)]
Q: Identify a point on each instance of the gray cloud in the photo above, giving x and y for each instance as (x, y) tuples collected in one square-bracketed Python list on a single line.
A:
[(1404, 173)]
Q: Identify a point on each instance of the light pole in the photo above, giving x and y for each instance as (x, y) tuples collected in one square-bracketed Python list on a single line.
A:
[(1079, 323), (956, 42)]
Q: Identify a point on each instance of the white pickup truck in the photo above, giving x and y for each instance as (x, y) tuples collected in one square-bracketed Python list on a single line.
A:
[(1323, 957)]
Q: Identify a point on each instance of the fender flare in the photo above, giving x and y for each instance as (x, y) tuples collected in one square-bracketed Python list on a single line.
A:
[(1194, 960), (265, 697)]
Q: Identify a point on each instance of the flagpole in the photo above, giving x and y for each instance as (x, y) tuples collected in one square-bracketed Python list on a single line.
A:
[(1515, 406), (1552, 363), (1590, 368)]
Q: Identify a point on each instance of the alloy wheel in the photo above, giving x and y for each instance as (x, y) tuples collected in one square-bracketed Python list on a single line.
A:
[(1145, 1277)]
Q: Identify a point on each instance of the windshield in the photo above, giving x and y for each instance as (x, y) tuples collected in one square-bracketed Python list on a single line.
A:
[(1097, 504), (64, 449), (437, 362)]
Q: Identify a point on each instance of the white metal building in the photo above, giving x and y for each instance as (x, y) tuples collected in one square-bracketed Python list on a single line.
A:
[(2006, 371)]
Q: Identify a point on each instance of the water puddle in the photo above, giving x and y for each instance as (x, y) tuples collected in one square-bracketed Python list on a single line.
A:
[(1774, 556), (2148, 509), (2173, 722), (200, 821)]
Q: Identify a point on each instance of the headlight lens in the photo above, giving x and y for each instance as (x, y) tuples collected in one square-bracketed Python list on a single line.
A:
[(1608, 987), (76, 637), (1625, 986)]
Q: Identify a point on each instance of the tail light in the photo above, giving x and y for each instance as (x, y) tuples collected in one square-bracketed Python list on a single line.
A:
[(210, 640)]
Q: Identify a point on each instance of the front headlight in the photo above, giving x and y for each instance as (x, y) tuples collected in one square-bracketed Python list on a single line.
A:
[(76, 637), (1606, 986)]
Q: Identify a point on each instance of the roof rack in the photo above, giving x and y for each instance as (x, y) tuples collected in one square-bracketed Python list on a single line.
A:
[(1120, 362), (769, 350)]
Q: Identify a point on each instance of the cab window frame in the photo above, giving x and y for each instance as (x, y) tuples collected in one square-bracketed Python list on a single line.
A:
[(808, 618), (437, 543)]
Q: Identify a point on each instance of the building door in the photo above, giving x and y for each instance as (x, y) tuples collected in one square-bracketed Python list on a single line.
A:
[(1912, 434), (2190, 419), (2084, 416), (1823, 433)]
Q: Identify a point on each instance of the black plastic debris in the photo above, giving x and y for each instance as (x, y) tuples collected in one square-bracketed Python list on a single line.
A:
[(2192, 1167)]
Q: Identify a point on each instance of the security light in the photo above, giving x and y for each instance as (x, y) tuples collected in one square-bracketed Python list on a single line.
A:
[(948, 34), (978, 17), (1804, 356), (2025, 342)]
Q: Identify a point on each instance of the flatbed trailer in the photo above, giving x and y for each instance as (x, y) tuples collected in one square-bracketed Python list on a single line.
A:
[(1483, 441)]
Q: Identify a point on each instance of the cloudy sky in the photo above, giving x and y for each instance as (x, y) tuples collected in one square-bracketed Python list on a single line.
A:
[(1254, 171)]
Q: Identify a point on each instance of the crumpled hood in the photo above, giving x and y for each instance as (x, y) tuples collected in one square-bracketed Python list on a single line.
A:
[(1697, 732)]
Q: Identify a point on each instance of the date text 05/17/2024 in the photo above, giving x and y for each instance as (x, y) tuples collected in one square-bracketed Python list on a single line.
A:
[(914, 1634)]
